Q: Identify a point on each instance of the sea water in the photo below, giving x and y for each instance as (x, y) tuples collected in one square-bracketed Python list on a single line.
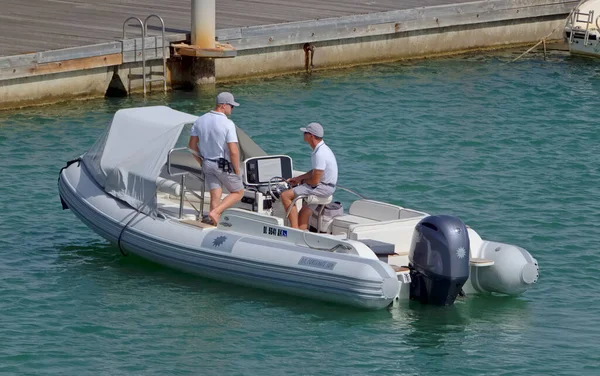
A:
[(510, 148)]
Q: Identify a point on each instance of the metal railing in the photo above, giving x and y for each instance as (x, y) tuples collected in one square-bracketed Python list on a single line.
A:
[(164, 53), (144, 30), (183, 174), (575, 17)]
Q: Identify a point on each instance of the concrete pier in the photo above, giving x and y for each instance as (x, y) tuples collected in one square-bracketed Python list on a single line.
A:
[(51, 51)]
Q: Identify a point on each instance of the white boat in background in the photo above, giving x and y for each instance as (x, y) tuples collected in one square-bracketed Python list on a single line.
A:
[(134, 188), (582, 29)]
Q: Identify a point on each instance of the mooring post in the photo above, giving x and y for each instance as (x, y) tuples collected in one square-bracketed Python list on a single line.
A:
[(203, 36), (203, 23), (198, 57)]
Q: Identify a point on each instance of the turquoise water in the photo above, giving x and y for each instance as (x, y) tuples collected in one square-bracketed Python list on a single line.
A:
[(512, 149)]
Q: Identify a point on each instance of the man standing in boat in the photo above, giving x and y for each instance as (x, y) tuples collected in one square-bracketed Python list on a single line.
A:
[(214, 139), (320, 181)]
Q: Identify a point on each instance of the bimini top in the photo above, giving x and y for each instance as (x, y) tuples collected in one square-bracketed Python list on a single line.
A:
[(128, 158)]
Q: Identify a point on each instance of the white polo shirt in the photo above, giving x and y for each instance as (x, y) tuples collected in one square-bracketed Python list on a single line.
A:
[(214, 131), (323, 159)]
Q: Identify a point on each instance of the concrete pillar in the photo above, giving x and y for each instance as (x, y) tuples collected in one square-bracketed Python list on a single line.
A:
[(203, 71), (203, 36)]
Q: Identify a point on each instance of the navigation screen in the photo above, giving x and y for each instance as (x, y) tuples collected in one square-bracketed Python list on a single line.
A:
[(268, 168)]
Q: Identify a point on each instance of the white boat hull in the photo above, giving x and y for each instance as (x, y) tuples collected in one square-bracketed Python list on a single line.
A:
[(229, 256)]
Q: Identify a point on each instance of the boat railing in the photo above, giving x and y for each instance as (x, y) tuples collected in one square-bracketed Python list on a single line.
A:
[(351, 191), (183, 174), (582, 17)]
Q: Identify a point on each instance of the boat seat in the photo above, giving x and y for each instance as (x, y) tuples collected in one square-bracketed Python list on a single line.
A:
[(318, 211), (343, 222), (378, 211), (364, 212), (315, 200)]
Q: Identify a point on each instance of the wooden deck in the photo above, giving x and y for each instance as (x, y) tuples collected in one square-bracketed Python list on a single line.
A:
[(29, 26)]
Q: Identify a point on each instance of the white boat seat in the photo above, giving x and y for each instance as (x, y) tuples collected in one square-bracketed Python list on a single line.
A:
[(381, 211), (320, 202), (378, 211), (344, 221), (315, 200)]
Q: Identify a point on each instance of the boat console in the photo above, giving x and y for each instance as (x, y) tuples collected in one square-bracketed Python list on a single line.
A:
[(264, 179)]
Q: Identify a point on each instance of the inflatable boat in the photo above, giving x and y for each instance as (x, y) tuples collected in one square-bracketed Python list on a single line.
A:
[(139, 191)]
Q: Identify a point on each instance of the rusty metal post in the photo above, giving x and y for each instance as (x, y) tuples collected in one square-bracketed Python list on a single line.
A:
[(203, 36), (203, 23)]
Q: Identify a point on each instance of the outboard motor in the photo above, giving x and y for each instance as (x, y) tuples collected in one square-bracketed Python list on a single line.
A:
[(439, 260)]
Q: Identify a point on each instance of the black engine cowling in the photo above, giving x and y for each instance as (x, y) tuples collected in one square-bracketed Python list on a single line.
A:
[(439, 260)]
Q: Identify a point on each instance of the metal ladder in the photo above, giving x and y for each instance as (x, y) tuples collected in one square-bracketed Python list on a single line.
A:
[(588, 20), (144, 29)]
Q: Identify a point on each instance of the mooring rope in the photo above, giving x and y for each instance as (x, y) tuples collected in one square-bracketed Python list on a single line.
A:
[(543, 40), (134, 217)]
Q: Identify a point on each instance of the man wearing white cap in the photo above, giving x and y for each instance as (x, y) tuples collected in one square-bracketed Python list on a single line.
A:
[(214, 140), (320, 181)]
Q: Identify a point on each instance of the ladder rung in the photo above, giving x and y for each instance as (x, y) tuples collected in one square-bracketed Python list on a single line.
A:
[(155, 79)]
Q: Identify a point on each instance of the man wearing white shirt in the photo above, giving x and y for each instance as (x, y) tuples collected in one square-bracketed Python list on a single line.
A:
[(320, 181), (214, 139)]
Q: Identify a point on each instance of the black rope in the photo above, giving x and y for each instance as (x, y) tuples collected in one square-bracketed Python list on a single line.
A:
[(68, 164), (129, 222), (122, 232)]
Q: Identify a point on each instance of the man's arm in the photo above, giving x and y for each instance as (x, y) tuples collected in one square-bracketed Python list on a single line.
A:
[(314, 178), (234, 153), (298, 179), (193, 145)]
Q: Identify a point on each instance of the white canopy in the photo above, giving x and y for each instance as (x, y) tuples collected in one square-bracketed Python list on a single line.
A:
[(128, 158)]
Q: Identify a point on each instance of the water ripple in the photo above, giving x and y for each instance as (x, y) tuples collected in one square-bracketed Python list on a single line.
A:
[(512, 149)]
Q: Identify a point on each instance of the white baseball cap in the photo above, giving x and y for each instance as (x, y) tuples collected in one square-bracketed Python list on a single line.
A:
[(315, 129)]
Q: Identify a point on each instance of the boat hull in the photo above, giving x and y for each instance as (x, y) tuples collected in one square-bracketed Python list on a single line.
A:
[(226, 255)]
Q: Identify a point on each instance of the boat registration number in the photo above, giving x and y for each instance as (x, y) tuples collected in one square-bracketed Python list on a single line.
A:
[(274, 231)]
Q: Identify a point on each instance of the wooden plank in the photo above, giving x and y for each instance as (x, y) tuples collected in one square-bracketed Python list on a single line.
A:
[(79, 52), (17, 61), (62, 66), (384, 23), (224, 51), (28, 26), (192, 222), (481, 262)]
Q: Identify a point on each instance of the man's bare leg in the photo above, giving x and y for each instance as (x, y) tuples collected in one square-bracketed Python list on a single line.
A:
[(227, 202), (303, 218), (286, 199), (215, 197)]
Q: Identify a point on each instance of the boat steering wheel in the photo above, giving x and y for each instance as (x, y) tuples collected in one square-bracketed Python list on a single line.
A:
[(278, 185)]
